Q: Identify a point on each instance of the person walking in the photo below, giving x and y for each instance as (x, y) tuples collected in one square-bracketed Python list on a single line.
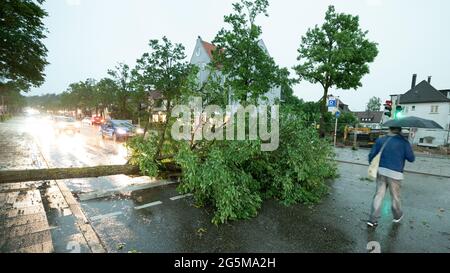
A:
[(395, 150)]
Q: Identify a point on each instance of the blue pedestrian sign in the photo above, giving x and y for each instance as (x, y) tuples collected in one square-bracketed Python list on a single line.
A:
[(338, 114)]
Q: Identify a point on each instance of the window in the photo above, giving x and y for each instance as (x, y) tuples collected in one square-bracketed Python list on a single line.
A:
[(413, 108), (434, 109)]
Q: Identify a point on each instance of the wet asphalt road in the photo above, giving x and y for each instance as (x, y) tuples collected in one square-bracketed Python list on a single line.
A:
[(335, 225), (159, 220)]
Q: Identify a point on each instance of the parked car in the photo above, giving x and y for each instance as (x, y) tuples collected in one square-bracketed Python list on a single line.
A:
[(97, 120), (86, 121), (119, 129), (66, 124)]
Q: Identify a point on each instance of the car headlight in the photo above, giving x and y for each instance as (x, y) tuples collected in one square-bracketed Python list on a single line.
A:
[(121, 131), (139, 131)]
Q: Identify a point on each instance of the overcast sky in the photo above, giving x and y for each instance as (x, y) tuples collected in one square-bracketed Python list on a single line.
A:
[(88, 37)]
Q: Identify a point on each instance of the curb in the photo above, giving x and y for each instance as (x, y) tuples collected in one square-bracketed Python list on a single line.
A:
[(406, 171)]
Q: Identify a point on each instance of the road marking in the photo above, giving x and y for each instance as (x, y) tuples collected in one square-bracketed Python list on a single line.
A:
[(122, 190), (180, 196), (148, 205), (108, 215)]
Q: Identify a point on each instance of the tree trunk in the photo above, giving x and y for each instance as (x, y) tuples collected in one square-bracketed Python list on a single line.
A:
[(11, 176), (323, 110), (163, 133), (149, 116)]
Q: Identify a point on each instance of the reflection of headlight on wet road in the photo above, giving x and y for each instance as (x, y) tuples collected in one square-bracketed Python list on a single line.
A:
[(139, 131), (121, 131)]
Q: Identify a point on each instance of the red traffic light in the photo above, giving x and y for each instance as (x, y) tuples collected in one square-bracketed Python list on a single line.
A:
[(388, 108)]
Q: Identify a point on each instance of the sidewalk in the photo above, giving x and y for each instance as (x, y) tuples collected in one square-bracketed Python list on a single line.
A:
[(37, 216), (423, 164)]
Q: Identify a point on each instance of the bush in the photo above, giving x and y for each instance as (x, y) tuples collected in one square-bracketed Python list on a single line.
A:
[(5, 117)]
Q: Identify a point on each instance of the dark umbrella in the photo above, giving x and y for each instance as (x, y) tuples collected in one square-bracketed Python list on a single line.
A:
[(413, 122)]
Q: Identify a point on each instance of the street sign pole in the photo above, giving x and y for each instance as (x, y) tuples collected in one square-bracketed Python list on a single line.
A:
[(335, 132), (335, 126)]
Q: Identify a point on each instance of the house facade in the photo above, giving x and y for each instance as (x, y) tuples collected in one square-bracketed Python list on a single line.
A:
[(371, 119), (425, 101), (203, 56)]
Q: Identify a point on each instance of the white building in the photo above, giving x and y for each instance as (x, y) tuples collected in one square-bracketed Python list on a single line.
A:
[(425, 101), (202, 56), (371, 119)]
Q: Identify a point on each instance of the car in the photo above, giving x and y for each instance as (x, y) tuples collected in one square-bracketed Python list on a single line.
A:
[(66, 124), (97, 120), (86, 121), (119, 129)]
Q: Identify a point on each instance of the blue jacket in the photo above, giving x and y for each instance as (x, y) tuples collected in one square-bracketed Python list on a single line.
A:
[(397, 150)]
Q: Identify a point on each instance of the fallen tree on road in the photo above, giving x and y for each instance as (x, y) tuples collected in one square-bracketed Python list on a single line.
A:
[(13, 176)]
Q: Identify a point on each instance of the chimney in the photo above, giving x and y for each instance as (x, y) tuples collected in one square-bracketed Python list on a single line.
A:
[(414, 79), (429, 79)]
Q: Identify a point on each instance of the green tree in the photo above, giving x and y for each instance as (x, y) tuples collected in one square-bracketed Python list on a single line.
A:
[(106, 94), (13, 100), (249, 70), (67, 101), (374, 104), (83, 95), (163, 69), (345, 119), (234, 177), (22, 53), (46, 102), (335, 54), (123, 79)]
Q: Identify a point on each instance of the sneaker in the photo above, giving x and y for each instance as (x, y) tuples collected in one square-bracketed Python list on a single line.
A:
[(398, 220), (372, 224)]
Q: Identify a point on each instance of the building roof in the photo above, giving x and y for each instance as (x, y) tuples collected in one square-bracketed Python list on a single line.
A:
[(155, 95), (423, 93), (369, 116), (209, 48), (445, 92)]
